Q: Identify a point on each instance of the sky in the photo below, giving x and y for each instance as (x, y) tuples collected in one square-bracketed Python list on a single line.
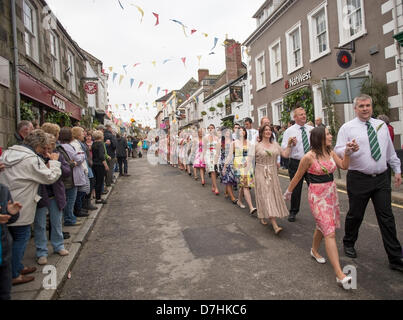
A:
[(121, 37)]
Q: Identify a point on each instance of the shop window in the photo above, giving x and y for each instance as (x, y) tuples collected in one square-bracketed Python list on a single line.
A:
[(30, 31), (71, 72), (276, 72), (55, 55), (351, 20), (318, 32), (294, 49), (260, 72)]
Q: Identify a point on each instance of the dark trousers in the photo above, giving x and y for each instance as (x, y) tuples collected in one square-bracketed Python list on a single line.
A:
[(122, 161), (92, 187), (99, 173), (360, 189), (296, 194), (6, 270)]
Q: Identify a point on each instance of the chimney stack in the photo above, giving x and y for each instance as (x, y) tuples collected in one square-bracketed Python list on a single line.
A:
[(233, 59), (202, 74)]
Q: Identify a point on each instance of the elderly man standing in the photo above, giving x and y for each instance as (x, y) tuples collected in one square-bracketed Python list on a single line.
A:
[(24, 128), (367, 178), (300, 133)]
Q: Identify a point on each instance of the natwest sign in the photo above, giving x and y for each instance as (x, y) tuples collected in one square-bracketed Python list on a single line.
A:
[(91, 87), (299, 78)]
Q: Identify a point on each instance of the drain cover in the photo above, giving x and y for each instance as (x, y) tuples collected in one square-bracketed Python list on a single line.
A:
[(219, 240)]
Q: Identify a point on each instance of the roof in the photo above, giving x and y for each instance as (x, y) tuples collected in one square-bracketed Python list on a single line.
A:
[(164, 98)]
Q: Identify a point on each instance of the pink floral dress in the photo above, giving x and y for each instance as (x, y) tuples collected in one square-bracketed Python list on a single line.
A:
[(199, 160), (323, 198)]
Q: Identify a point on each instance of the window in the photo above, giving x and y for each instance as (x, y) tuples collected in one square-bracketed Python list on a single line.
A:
[(262, 112), (318, 32), (351, 20), (55, 56), (276, 72), (260, 72), (71, 72), (294, 50), (277, 107), (30, 31)]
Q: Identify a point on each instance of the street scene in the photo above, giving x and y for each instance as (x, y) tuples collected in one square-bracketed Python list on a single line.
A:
[(206, 151)]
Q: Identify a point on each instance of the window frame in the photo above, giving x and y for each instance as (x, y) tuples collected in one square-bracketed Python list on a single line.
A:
[(56, 69), (259, 73), (72, 71), (344, 37), (33, 40), (273, 77), (276, 115), (313, 36), (290, 54), (259, 116)]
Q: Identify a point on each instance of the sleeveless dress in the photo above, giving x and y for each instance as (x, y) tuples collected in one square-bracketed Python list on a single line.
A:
[(210, 155), (198, 160), (323, 198), (269, 197), (228, 177), (243, 174)]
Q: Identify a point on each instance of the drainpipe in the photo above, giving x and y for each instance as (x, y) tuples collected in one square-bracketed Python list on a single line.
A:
[(16, 74), (399, 61)]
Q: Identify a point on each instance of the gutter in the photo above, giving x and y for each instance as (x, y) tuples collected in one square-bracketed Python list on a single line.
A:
[(16, 63)]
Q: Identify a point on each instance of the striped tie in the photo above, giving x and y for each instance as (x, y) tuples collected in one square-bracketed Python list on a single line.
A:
[(373, 142), (305, 141)]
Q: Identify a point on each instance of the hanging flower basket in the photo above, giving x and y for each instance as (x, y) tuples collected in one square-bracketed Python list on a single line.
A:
[(220, 105), (212, 109), (203, 113)]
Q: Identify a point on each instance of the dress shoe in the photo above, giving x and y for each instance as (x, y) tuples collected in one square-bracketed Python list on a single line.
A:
[(22, 279), (318, 260), (291, 217), (397, 265), (62, 252), (82, 214), (350, 252), (28, 270)]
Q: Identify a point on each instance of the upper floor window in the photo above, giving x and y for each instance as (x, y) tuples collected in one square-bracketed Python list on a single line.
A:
[(294, 49), (262, 112), (30, 31), (260, 72), (318, 32), (71, 72), (55, 55), (351, 20), (276, 72)]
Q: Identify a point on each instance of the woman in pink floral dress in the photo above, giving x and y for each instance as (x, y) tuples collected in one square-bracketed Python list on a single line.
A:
[(321, 162), (199, 163)]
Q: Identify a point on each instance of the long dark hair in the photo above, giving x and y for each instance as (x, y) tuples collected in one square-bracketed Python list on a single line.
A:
[(318, 141), (246, 133), (261, 131)]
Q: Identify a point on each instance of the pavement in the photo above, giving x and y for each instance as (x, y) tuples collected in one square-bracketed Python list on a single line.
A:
[(158, 238)]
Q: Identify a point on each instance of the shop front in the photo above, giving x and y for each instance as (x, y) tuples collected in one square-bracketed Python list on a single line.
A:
[(43, 99)]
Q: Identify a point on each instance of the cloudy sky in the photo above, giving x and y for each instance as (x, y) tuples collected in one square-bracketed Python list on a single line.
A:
[(121, 37)]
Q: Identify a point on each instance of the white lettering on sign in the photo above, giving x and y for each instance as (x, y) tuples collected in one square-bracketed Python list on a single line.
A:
[(299, 78), (58, 103)]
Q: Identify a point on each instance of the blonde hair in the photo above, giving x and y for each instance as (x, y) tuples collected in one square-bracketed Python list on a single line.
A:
[(37, 138), (97, 135), (51, 140), (76, 132), (51, 128)]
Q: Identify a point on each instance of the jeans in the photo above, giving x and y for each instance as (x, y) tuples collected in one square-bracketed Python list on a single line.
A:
[(69, 217), (122, 164), (78, 205), (56, 234), (21, 236)]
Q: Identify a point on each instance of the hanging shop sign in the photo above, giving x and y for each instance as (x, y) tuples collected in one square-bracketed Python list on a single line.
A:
[(4, 72), (299, 78), (236, 94), (91, 87)]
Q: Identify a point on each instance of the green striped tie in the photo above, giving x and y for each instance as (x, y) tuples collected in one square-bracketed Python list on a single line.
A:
[(305, 141), (373, 142)]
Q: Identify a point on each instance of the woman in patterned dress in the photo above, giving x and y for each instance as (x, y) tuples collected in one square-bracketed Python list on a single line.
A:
[(211, 156), (198, 162), (320, 163), (269, 197), (242, 152), (228, 178)]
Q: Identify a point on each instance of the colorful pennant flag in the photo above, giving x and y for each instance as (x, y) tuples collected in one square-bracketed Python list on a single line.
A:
[(121, 5), (215, 43), (114, 76), (199, 58), (124, 67), (158, 90), (121, 78), (135, 65), (184, 61), (131, 82), (157, 16), (193, 31), (205, 34), (141, 12), (149, 87), (141, 83), (110, 69)]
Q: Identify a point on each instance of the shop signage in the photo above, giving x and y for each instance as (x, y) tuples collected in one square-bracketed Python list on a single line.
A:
[(299, 78), (236, 94), (58, 103), (4, 72), (344, 59), (91, 87)]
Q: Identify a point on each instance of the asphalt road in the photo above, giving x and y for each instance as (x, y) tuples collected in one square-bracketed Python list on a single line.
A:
[(163, 236)]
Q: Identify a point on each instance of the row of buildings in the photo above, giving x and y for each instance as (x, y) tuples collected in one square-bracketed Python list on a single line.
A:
[(295, 47), (44, 71)]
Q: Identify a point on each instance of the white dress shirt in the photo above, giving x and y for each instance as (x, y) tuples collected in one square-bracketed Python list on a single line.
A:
[(297, 152), (362, 159), (253, 134)]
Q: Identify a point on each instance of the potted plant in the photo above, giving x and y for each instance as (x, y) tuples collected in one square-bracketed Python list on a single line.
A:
[(203, 113), (212, 109), (220, 105)]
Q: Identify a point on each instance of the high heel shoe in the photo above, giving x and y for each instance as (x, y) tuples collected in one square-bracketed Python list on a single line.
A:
[(217, 193), (346, 280), (253, 211), (203, 183), (235, 201), (318, 260), (242, 206)]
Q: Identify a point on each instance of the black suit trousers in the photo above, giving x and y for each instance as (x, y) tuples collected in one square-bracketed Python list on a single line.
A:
[(360, 189), (296, 194)]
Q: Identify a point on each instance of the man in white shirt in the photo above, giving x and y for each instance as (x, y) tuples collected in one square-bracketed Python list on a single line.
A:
[(253, 134), (300, 132), (367, 178)]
